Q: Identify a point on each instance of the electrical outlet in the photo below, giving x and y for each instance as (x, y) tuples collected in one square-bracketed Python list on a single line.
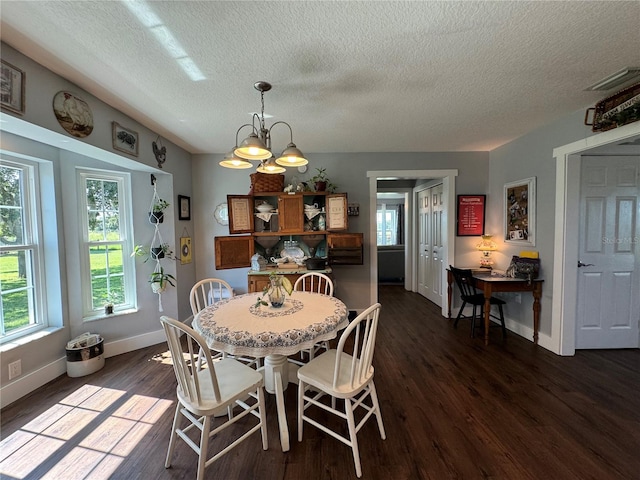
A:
[(517, 297), (15, 369)]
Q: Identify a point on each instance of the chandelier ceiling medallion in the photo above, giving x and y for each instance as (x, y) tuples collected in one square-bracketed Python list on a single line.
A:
[(257, 146)]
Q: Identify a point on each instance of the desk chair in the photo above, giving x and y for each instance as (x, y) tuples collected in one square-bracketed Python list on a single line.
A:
[(344, 373), (318, 283), (206, 388), (469, 294)]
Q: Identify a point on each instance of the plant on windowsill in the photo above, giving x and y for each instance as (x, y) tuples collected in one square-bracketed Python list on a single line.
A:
[(160, 279), (156, 215), (112, 298), (321, 182)]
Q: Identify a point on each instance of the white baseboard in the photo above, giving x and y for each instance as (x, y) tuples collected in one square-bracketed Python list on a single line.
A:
[(28, 383), (520, 329)]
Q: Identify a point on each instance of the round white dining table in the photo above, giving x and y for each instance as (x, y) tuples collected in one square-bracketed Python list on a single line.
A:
[(241, 327)]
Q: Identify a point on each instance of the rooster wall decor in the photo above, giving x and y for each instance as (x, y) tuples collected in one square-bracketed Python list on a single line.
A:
[(159, 152)]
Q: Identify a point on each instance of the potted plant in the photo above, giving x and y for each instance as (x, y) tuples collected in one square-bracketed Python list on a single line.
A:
[(160, 279), (163, 251), (154, 253), (112, 298), (156, 215), (321, 182)]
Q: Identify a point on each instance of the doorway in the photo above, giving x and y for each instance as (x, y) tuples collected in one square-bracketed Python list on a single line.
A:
[(447, 178), (566, 242)]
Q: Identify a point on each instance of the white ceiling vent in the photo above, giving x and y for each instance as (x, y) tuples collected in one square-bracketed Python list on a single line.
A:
[(623, 76)]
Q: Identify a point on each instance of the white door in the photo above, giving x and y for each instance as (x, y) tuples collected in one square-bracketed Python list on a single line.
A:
[(424, 241), (608, 307), (431, 212), (435, 287)]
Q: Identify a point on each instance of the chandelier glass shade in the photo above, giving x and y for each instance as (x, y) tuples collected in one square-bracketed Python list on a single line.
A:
[(231, 160), (269, 166), (257, 145)]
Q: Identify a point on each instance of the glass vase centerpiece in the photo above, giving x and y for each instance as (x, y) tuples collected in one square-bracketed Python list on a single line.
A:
[(277, 290)]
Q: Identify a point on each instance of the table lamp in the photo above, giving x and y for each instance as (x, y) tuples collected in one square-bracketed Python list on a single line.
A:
[(486, 246)]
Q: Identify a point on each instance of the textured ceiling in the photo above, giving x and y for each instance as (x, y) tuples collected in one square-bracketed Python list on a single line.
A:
[(366, 76)]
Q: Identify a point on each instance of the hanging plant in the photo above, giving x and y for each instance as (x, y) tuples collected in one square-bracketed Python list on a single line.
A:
[(160, 279), (154, 253), (156, 215)]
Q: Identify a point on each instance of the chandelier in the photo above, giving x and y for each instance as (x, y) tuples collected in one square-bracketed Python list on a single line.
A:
[(257, 146)]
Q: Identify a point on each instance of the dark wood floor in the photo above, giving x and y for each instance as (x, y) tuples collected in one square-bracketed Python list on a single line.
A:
[(452, 408)]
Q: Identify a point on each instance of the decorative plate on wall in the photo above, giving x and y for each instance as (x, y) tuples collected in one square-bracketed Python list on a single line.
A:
[(73, 114)]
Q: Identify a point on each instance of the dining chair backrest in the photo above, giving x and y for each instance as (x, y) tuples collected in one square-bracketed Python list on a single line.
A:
[(361, 334), (208, 291), (189, 357), (314, 282), (464, 281)]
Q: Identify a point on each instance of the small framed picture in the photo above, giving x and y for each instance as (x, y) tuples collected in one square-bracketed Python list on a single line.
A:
[(125, 140), (520, 212), (12, 88), (184, 203)]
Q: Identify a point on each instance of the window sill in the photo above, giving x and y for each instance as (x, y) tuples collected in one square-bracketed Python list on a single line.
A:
[(19, 342), (117, 313)]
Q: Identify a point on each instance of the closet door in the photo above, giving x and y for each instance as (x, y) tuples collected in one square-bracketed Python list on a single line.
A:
[(431, 243)]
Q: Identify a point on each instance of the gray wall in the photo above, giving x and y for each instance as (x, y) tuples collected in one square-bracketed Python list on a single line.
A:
[(46, 354), (531, 156), (212, 183)]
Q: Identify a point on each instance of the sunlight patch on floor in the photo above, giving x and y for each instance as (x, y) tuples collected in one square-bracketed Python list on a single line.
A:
[(85, 435)]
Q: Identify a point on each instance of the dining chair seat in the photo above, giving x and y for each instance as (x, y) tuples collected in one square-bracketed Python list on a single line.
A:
[(346, 373), (207, 388)]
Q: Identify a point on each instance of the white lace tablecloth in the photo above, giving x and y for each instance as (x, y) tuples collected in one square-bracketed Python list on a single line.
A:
[(238, 327)]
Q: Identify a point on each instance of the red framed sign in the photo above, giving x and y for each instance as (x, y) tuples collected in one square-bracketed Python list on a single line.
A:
[(470, 215)]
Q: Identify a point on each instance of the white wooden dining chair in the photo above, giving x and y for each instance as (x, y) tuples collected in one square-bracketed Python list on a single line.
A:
[(343, 373), (205, 388), (207, 292), (319, 283)]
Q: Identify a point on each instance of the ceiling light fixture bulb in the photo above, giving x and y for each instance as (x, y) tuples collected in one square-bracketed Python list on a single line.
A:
[(269, 166), (291, 157), (232, 161)]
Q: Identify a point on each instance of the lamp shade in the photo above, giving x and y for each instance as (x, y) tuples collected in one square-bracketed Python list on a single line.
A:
[(486, 246), (252, 148), (232, 161), (291, 157), (269, 166)]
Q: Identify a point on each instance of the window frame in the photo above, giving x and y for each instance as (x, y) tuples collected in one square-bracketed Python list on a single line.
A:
[(382, 207), (32, 232), (125, 205)]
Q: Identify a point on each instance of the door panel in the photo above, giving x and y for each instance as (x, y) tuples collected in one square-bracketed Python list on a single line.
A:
[(608, 309), (424, 245), (431, 243)]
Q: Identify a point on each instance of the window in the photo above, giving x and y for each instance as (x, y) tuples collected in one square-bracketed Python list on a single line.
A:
[(21, 284), (107, 267), (388, 224)]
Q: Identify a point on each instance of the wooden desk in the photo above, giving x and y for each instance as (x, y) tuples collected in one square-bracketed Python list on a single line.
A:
[(492, 284)]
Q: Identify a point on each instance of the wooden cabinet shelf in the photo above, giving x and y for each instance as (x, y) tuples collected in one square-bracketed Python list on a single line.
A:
[(289, 219)]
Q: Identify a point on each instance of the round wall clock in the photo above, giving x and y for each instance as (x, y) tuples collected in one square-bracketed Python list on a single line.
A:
[(73, 114), (302, 168)]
